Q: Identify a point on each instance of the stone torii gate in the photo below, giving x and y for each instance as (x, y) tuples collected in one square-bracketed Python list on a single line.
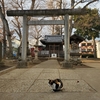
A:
[(45, 12)]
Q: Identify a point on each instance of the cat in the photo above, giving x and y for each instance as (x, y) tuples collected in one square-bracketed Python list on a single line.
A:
[(56, 84)]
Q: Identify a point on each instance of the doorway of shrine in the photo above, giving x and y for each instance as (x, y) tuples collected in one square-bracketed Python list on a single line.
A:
[(54, 51)]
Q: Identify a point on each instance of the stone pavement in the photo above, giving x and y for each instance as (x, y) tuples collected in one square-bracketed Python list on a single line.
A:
[(32, 83)]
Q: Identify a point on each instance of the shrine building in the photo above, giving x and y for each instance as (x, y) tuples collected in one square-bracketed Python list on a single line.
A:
[(54, 45)]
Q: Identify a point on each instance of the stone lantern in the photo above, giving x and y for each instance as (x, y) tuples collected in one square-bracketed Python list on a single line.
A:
[(36, 59)]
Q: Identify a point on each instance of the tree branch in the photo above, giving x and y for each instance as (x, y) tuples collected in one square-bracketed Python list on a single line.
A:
[(88, 4)]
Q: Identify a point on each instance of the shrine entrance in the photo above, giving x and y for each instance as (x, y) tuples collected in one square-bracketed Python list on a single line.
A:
[(54, 51), (47, 12)]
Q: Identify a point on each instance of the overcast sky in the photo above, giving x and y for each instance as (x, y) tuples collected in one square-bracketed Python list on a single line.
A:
[(92, 5)]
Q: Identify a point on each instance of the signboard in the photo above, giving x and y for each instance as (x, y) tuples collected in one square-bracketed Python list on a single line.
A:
[(53, 55)]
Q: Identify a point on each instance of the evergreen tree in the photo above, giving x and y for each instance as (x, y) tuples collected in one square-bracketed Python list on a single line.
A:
[(88, 26)]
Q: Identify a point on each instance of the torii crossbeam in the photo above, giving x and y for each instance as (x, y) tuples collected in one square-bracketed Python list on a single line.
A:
[(46, 12)]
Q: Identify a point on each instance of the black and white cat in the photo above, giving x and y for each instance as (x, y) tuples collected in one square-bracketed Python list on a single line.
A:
[(56, 84)]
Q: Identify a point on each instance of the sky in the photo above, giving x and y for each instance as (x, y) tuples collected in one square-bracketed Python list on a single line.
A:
[(92, 5), (95, 5)]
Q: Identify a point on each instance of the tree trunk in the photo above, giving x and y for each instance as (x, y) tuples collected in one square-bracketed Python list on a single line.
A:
[(5, 23), (0, 51), (94, 47), (4, 42)]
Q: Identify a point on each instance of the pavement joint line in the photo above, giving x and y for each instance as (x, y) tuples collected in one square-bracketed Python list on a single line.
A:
[(90, 86), (34, 80)]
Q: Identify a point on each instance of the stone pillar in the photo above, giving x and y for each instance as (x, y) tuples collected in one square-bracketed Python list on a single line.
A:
[(67, 62), (23, 62), (36, 59)]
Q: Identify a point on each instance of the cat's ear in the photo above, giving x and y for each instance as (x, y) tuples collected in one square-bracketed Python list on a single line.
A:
[(49, 79)]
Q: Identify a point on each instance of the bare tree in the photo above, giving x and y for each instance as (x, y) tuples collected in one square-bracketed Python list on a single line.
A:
[(57, 4), (4, 33), (17, 21), (36, 33), (6, 30)]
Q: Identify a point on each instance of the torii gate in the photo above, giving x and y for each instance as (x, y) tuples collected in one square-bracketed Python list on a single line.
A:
[(45, 12)]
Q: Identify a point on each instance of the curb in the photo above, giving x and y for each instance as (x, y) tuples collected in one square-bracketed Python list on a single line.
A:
[(7, 70)]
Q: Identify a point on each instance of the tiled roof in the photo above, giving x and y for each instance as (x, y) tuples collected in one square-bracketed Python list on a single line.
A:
[(52, 39), (76, 38), (60, 39)]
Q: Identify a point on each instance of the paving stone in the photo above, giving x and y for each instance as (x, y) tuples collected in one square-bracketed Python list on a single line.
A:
[(32, 83), (3, 82), (68, 74), (38, 70), (61, 96), (50, 70), (13, 74), (40, 86), (48, 76), (29, 76), (69, 86), (77, 86), (11, 96), (17, 86)]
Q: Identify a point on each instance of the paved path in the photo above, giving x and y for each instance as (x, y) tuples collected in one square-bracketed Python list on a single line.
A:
[(32, 83)]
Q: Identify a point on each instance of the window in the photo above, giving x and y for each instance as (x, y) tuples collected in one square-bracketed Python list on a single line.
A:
[(83, 44), (89, 44), (83, 50), (89, 50)]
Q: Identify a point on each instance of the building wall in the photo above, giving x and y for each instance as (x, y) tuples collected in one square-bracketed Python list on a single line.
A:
[(86, 47), (15, 43), (98, 49)]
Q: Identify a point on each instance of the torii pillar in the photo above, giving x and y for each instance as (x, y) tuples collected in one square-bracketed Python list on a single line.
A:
[(47, 12), (66, 62), (24, 42)]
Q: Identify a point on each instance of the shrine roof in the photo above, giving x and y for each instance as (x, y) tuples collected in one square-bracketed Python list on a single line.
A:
[(52, 39), (76, 38), (60, 39)]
